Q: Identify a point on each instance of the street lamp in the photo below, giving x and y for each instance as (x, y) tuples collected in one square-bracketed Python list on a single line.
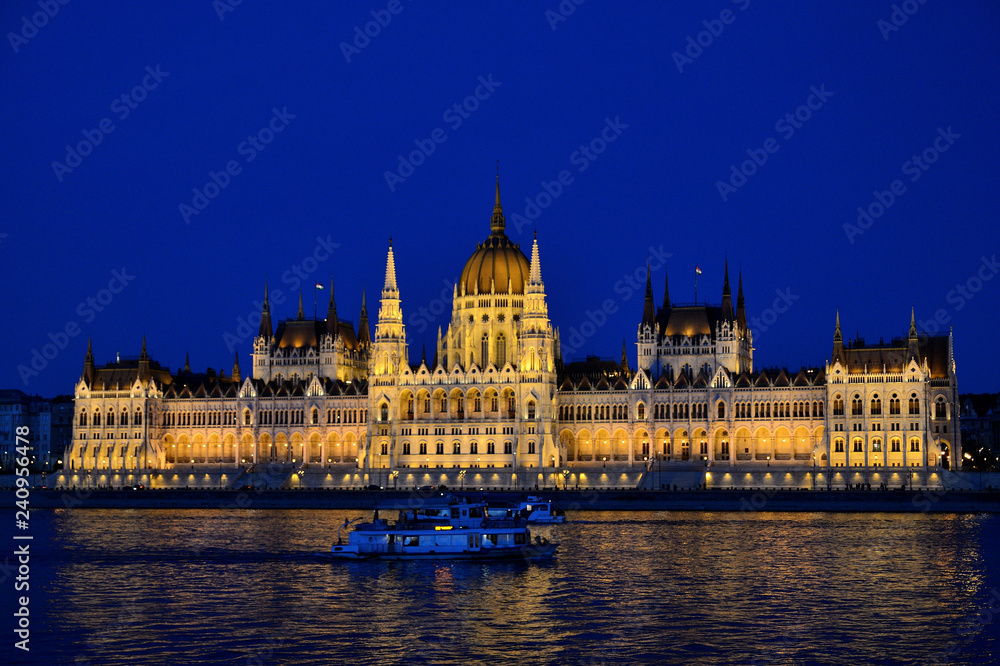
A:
[(565, 474), (461, 479)]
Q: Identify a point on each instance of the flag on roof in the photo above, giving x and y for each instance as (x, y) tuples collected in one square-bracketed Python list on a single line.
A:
[(319, 286), (697, 270)]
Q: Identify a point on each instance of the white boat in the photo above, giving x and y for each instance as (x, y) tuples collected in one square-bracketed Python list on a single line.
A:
[(443, 528), (538, 510)]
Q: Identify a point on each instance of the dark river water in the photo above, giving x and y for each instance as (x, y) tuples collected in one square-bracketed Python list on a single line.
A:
[(255, 587)]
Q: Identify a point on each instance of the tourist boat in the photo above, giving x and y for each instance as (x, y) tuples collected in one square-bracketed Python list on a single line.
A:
[(448, 527)]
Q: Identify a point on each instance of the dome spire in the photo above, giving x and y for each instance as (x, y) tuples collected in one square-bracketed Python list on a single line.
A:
[(497, 222)]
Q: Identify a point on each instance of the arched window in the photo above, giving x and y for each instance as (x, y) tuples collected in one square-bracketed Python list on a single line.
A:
[(406, 448), (838, 446), (423, 448), (138, 416), (531, 447), (722, 410), (856, 406), (531, 409), (876, 446), (83, 417), (914, 404), (485, 349), (314, 416), (876, 405), (894, 405), (501, 355), (384, 412), (894, 445), (246, 417), (456, 448), (111, 418), (857, 446), (940, 411), (439, 448), (914, 445), (491, 447), (838, 406), (641, 412)]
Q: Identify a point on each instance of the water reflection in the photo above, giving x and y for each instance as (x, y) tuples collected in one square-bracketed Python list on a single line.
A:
[(256, 587)]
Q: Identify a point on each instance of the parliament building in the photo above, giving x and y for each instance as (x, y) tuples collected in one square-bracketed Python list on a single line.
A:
[(497, 405)]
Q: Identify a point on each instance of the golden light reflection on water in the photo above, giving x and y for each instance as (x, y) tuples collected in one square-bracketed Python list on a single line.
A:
[(254, 587)]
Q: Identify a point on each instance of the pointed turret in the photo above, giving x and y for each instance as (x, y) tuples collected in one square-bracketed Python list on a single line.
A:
[(301, 315), (838, 342), (390, 287), (88, 365), (741, 311), (364, 334), (497, 223), (187, 363), (624, 363), (535, 269), (648, 309), (266, 330), (913, 346), (666, 290), (332, 324), (913, 324), (143, 362), (727, 297), (237, 377)]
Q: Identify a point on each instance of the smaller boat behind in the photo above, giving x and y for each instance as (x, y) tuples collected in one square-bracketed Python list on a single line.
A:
[(541, 511)]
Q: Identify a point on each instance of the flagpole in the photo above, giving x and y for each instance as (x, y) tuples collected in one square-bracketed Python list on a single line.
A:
[(696, 287), (315, 311)]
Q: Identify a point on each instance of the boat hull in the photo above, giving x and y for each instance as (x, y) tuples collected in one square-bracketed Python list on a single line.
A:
[(532, 552)]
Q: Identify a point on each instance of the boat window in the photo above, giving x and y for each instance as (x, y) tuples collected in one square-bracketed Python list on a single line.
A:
[(454, 513), (442, 539), (519, 538), (472, 541), (475, 513), (490, 539), (411, 541)]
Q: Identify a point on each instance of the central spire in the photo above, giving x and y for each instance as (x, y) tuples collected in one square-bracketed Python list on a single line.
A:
[(497, 223)]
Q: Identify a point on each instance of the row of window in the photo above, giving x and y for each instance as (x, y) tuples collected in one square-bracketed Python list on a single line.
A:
[(95, 418), (895, 406), (456, 448), (857, 445)]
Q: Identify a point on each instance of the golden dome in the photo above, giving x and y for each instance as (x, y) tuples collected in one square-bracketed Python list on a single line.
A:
[(496, 261), (492, 264)]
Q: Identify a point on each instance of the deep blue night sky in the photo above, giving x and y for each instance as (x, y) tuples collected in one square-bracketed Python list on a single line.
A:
[(653, 190)]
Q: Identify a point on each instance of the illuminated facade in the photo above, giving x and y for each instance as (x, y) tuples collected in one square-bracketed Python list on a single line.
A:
[(324, 395)]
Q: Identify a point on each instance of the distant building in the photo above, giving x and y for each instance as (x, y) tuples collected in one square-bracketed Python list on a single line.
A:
[(323, 394), (981, 424), (19, 409)]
